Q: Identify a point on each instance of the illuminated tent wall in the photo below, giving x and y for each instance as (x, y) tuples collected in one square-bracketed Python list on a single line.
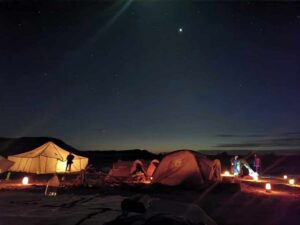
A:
[(152, 167), (48, 158), (126, 168), (5, 164), (186, 167)]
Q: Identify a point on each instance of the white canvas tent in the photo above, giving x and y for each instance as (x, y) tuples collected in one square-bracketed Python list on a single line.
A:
[(5, 164), (48, 158)]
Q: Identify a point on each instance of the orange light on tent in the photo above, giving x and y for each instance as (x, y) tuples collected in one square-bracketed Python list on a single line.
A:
[(285, 177), (291, 181), (268, 187), (25, 181), (255, 178)]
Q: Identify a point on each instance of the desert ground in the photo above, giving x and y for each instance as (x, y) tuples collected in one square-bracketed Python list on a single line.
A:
[(244, 203)]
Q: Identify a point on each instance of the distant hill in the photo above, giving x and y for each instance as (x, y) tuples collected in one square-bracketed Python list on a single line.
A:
[(106, 158), (11, 146)]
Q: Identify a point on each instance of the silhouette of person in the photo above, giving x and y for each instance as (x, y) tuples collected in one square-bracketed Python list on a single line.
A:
[(235, 165), (70, 158), (256, 164)]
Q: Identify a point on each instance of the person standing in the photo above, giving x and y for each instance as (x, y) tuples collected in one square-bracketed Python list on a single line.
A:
[(257, 164), (236, 167), (70, 158)]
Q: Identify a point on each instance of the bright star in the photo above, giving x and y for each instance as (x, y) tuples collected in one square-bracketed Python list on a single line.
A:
[(180, 30)]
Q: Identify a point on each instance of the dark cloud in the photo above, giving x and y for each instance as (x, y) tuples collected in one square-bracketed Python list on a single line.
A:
[(274, 142), (291, 133), (239, 135), (285, 134)]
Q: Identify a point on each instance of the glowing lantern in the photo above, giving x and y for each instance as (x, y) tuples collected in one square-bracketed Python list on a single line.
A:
[(226, 173), (255, 178), (285, 177), (25, 181), (291, 181), (268, 187)]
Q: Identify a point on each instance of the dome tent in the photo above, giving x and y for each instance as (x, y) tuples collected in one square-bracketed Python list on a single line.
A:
[(126, 168), (186, 167), (48, 158)]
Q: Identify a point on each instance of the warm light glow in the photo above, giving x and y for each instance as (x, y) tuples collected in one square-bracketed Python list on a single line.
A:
[(268, 187), (151, 178), (285, 177), (52, 194), (147, 182), (226, 173), (61, 166), (254, 175), (291, 181), (25, 180)]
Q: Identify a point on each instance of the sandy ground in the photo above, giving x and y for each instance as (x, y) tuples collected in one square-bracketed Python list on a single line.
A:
[(34, 208), (224, 204)]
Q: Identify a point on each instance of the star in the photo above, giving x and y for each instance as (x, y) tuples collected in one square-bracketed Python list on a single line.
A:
[(180, 30)]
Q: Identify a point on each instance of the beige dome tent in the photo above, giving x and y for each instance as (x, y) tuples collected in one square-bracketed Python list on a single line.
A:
[(186, 167), (5, 164), (48, 158)]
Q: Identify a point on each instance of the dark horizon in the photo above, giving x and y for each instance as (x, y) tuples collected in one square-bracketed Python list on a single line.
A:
[(155, 75), (18, 145)]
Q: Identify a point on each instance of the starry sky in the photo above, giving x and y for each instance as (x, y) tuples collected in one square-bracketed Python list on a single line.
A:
[(152, 74)]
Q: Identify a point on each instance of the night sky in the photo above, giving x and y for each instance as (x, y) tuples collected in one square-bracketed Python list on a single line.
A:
[(157, 75)]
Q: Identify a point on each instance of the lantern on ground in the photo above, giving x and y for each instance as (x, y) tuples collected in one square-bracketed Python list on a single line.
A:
[(285, 177), (268, 187), (291, 181), (25, 181), (226, 173)]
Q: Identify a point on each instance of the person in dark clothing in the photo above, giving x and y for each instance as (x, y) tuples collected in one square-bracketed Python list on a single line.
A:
[(256, 164), (70, 158)]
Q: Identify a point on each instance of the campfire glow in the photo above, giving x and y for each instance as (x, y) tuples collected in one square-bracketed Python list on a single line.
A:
[(25, 181), (268, 187)]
